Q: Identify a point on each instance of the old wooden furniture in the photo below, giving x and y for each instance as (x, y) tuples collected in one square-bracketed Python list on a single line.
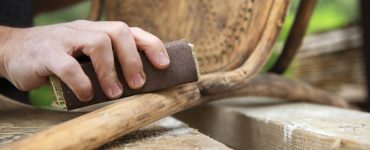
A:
[(19, 121), (233, 40)]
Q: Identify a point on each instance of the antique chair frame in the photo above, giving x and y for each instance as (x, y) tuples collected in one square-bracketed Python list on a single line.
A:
[(100, 126)]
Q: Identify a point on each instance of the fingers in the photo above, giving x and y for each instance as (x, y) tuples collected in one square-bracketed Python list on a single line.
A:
[(152, 46), (70, 72), (125, 47), (97, 45)]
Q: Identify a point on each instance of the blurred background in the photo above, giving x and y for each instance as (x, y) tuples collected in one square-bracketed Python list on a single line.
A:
[(331, 19)]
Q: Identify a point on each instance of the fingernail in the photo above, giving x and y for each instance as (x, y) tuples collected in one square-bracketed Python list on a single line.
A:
[(116, 90), (139, 80), (163, 59)]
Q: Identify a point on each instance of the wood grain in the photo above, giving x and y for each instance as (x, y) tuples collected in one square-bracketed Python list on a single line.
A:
[(20, 121), (222, 31), (235, 40), (333, 61), (265, 123), (108, 123)]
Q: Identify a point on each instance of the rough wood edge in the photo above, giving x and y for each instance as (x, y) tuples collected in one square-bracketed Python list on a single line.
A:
[(281, 125), (167, 133), (194, 53), (129, 115)]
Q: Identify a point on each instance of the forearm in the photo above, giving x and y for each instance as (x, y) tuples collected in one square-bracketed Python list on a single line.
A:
[(5, 34)]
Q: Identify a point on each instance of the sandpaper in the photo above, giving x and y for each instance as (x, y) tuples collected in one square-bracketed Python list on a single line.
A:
[(183, 69)]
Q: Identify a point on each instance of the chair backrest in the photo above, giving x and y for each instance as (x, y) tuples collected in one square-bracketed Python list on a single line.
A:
[(225, 32)]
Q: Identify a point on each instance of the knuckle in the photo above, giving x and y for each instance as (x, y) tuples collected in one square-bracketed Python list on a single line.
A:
[(155, 41), (134, 63), (84, 87), (102, 38), (107, 76), (67, 68), (120, 28), (137, 29), (154, 44)]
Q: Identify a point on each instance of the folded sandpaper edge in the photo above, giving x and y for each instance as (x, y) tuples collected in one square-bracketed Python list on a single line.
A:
[(195, 58), (61, 103)]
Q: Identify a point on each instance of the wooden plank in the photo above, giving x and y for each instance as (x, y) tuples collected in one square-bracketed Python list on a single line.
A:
[(333, 61), (331, 41), (19, 121), (257, 123), (167, 133)]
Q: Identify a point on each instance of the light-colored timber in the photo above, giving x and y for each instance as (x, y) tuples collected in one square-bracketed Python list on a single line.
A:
[(264, 123), (18, 121), (111, 122), (233, 39)]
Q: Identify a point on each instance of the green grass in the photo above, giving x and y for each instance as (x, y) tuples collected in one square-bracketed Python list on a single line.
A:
[(329, 14)]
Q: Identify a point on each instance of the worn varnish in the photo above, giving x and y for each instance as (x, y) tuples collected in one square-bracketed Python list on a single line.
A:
[(235, 39), (222, 31)]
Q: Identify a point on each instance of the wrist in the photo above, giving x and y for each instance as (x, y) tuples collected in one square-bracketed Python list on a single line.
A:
[(5, 35)]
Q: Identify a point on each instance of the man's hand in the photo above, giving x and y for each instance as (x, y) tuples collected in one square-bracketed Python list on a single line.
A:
[(28, 56)]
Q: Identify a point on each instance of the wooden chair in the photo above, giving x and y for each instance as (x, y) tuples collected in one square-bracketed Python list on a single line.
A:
[(233, 40)]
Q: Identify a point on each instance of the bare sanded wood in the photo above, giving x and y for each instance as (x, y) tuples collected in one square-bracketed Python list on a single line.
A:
[(165, 134), (271, 85), (222, 31), (20, 121), (264, 123), (106, 124)]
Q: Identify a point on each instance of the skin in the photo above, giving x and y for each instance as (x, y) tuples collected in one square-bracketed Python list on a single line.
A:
[(29, 55)]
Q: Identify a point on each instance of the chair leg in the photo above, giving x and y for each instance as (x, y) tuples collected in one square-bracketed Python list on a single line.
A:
[(272, 85)]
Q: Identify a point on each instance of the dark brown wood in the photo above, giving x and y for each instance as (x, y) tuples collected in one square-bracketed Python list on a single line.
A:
[(96, 10), (365, 12), (296, 35)]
